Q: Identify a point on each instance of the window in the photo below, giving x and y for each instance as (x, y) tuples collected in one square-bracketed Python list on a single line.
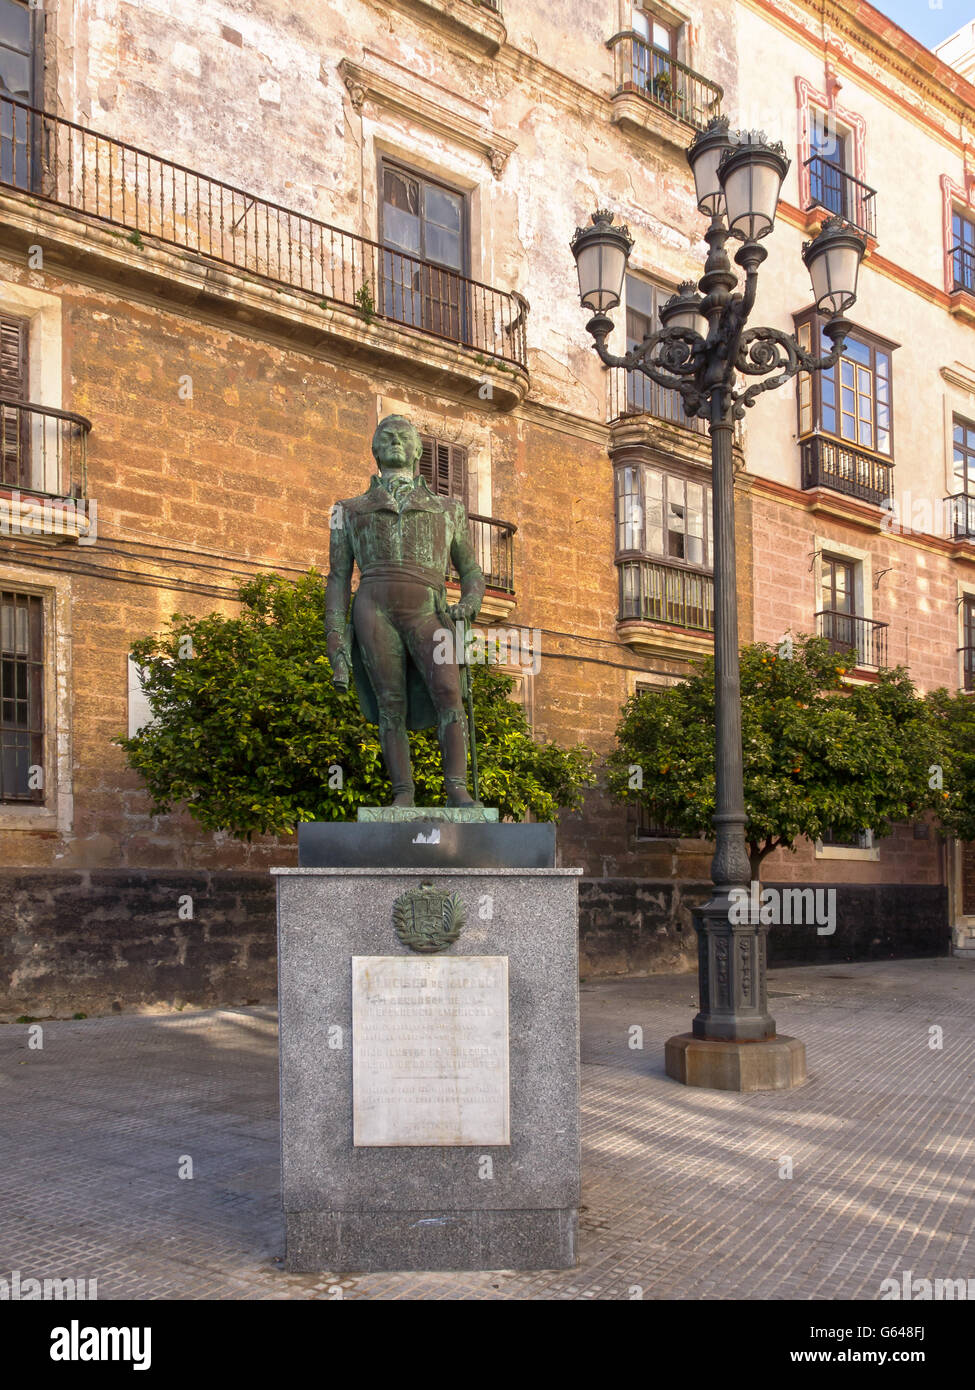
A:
[(663, 515), (852, 400), (968, 642), (654, 52), (839, 603), (643, 395), (423, 227), (828, 169), (21, 703), (653, 31), (963, 442), (863, 839), (665, 544), (444, 466), (21, 31), (963, 252), (15, 466)]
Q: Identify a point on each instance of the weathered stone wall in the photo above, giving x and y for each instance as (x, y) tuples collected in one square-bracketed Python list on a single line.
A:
[(93, 941)]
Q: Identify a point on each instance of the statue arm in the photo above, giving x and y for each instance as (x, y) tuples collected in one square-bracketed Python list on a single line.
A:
[(472, 584), (338, 592)]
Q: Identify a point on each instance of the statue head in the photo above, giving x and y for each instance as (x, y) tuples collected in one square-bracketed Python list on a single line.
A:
[(396, 444)]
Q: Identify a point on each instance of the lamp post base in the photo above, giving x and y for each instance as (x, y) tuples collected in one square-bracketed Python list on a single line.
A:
[(773, 1064)]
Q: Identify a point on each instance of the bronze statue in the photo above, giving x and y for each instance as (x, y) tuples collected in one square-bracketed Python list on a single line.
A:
[(403, 537)]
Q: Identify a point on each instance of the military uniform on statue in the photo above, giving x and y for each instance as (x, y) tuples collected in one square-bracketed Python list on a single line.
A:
[(403, 538)]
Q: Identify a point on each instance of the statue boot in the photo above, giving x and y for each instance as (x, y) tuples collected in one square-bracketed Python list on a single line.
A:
[(453, 748), (395, 743)]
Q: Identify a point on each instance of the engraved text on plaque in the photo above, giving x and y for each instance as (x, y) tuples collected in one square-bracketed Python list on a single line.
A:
[(430, 1050)]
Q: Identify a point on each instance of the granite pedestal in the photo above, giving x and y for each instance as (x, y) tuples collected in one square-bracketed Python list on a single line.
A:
[(450, 1139)]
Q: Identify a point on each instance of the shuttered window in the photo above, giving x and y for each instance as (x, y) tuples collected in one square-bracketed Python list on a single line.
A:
[(444, 466), (21, 697), (15, 470)]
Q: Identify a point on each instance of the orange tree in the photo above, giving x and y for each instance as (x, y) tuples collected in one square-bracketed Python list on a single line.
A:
[(819, 753)]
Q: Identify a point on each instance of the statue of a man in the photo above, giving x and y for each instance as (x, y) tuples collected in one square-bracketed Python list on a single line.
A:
[(403, 537)]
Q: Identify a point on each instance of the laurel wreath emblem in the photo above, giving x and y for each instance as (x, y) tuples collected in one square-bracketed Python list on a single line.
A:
[(427, 920)]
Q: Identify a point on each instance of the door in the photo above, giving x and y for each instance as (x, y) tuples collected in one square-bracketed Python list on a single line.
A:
[(424, 240), (839, 604), (21, 29), (827, 173)]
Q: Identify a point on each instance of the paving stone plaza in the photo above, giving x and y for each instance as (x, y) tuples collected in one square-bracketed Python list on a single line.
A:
[(685, 1192)]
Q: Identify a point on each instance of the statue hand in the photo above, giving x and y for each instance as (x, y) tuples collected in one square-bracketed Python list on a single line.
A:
[(340, 672), (462, 611)]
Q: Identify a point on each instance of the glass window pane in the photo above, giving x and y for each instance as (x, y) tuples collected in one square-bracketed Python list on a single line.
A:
[(441, 207), (15, 25), (444, 247), (401, 220), (15, 75)]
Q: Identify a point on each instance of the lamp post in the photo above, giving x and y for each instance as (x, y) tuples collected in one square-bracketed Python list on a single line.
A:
[(703, 351)]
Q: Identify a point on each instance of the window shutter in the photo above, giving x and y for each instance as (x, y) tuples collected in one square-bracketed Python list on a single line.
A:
[(444, 467), (15, 467), (13, 357)]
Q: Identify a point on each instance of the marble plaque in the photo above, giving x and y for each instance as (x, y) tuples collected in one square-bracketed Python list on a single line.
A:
[(429, 1050)]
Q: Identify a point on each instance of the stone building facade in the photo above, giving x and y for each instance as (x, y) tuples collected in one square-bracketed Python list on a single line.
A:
[(234, 236)]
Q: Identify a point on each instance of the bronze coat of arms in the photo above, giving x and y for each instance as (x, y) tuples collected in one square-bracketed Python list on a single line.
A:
[(427, 919)]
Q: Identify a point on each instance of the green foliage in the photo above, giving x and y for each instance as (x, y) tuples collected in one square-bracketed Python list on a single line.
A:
[(953, 791), (245, 730), (365, 301), (818, 754)]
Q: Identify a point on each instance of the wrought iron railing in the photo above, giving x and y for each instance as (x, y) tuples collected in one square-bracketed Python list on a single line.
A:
[(494, 547), (845, 632), (659, 592), (830, 463), (654, 74), (43, 451), (76, 168), (968, 667), (960, 508), (835, 191), (963, 267), (632, 393)]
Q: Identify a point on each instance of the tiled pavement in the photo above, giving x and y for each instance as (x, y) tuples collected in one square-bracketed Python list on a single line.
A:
[(683, 1196)]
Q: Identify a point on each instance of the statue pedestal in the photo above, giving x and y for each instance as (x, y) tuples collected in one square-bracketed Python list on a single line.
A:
[(429, 1098)]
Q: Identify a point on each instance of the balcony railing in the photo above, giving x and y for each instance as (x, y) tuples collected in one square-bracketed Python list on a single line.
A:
[(963, 267), (845, 632), (63, 163), (960, 509), (43, 451), (663, 593), (632, 393), (968, 667), (833, 464), (836, 191), (494, 546), (654, 74)]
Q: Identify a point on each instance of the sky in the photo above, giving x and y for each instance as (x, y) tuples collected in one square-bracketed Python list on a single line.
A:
[(928, 20)]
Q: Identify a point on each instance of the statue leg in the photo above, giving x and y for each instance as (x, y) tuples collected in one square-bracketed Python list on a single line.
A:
[(442, 680), (384, 658)]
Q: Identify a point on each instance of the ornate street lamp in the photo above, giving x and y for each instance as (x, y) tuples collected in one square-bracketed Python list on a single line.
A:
[(702, 351)]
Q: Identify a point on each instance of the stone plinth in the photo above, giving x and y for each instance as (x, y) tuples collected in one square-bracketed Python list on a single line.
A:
[(465, 1045), (773, 1064), (420, 844)]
